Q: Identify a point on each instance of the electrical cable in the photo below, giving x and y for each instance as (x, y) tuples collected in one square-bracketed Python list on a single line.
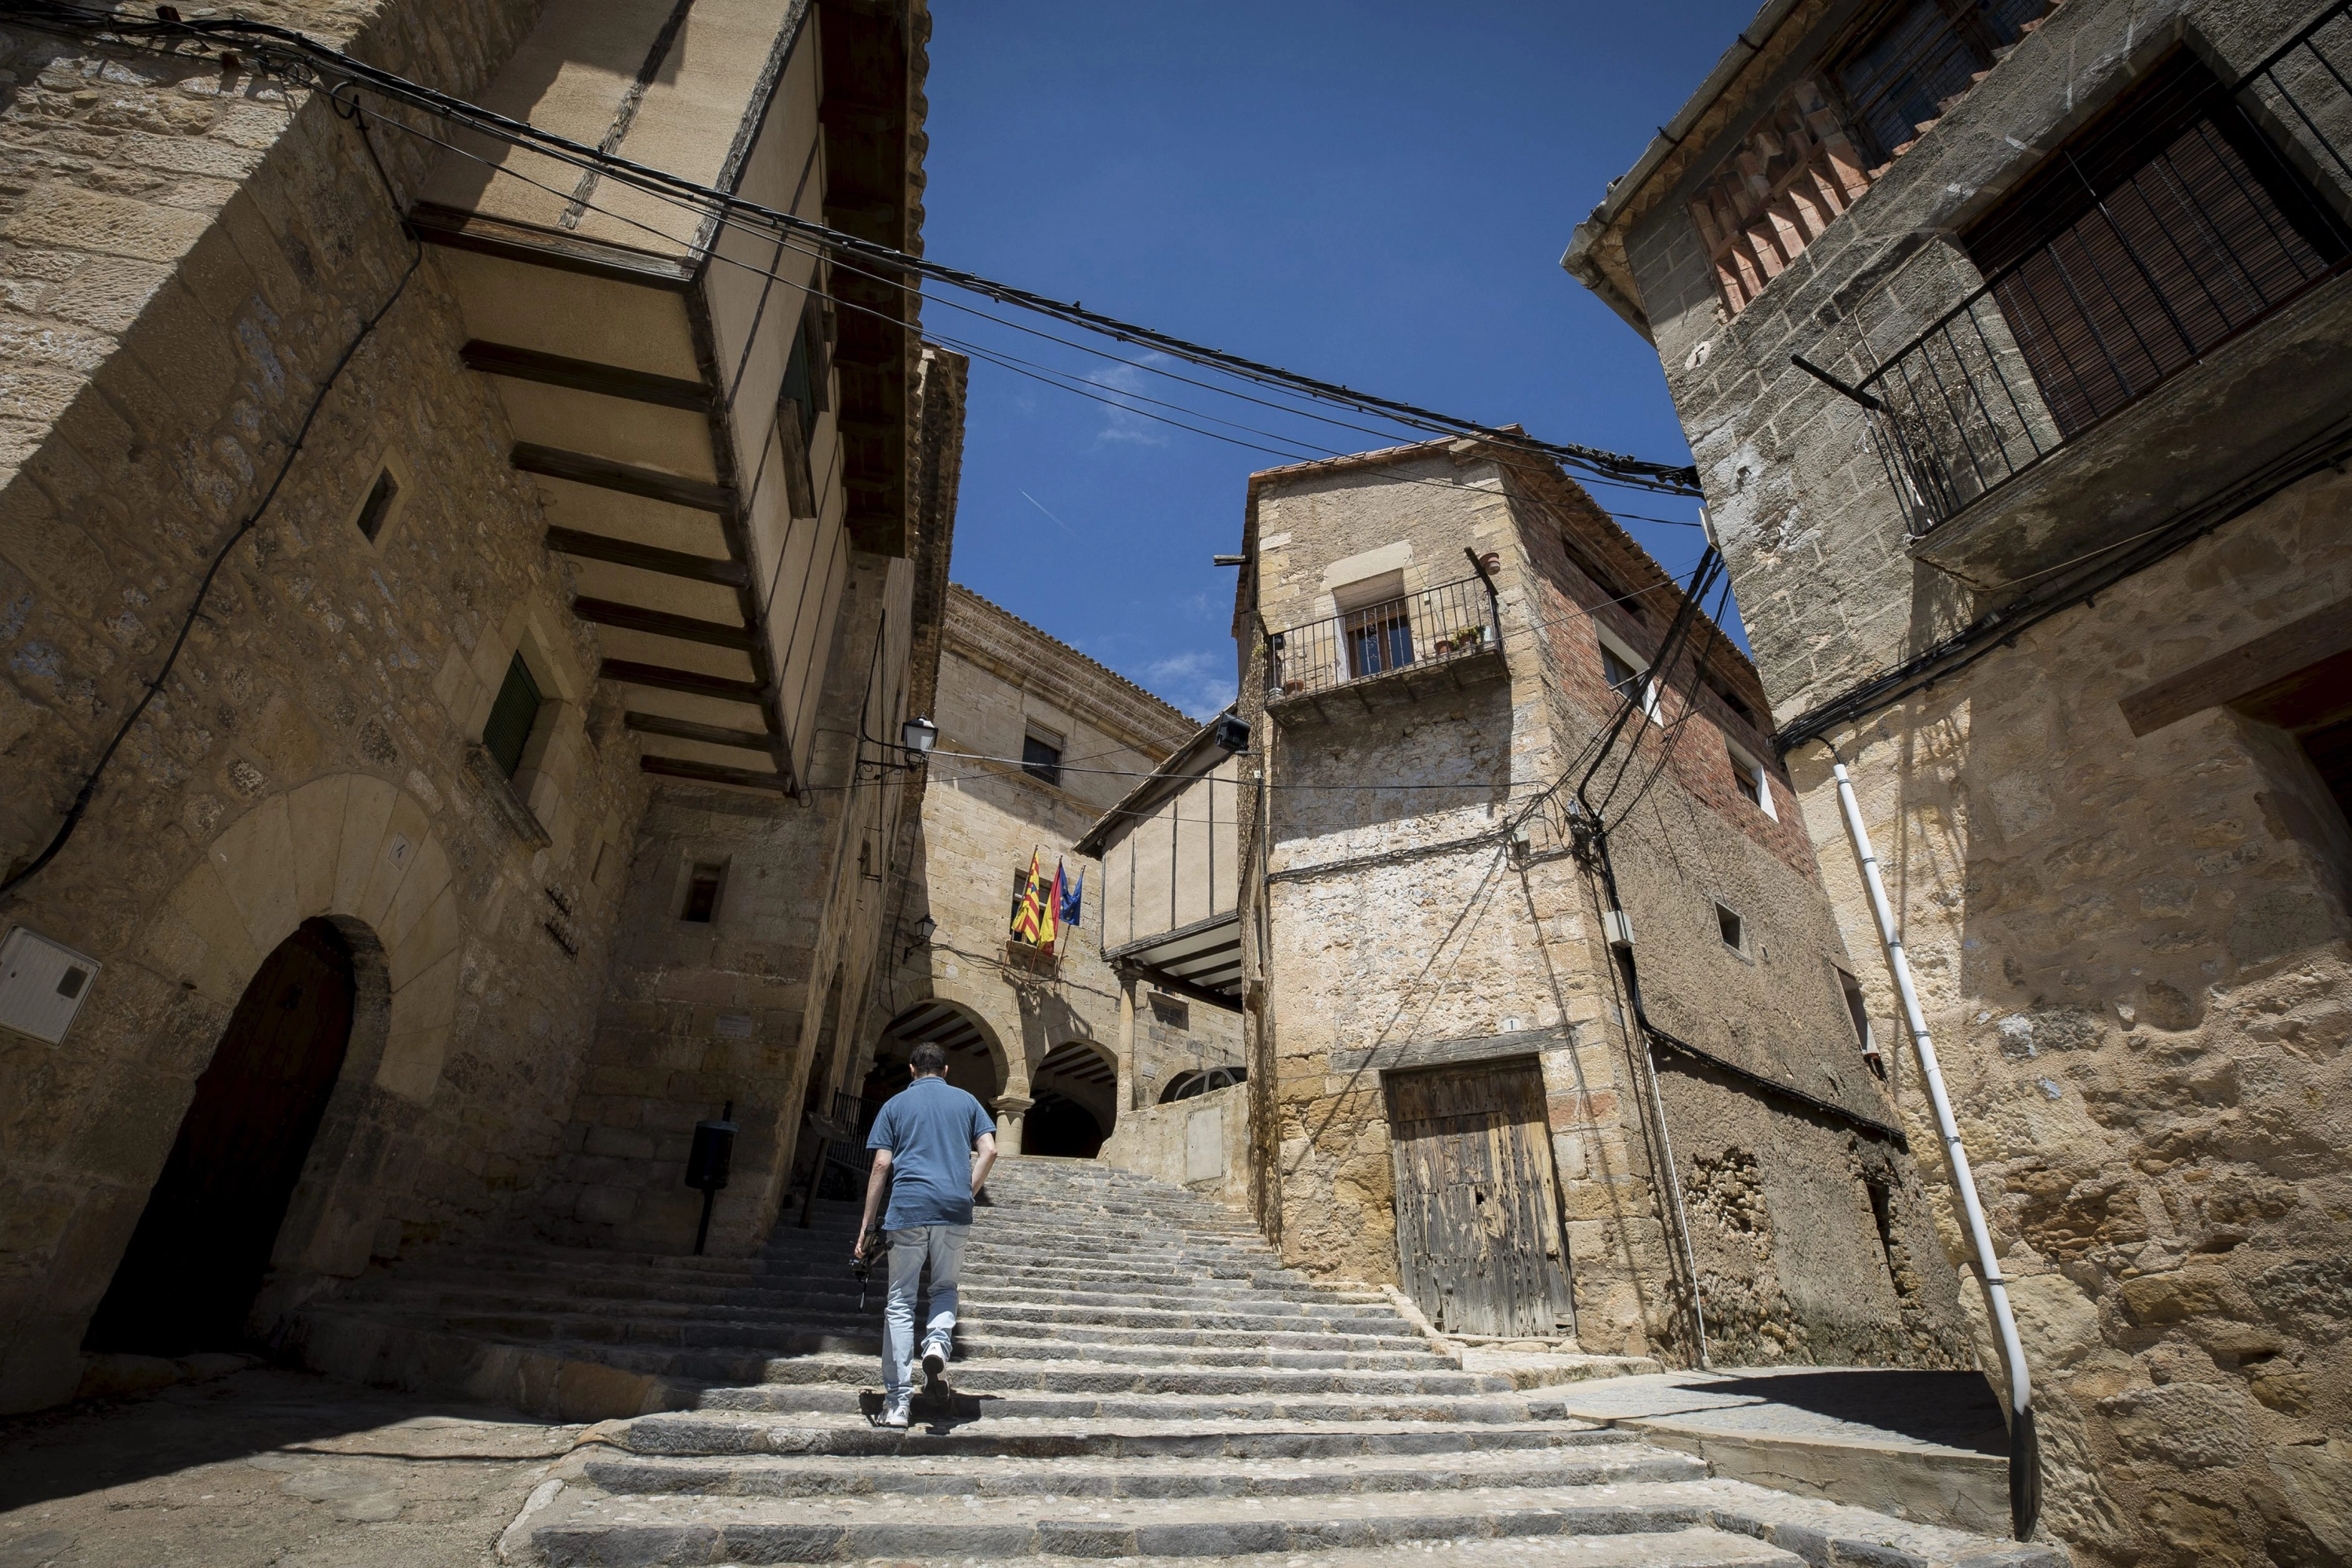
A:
[(87, 792), (304, 60)]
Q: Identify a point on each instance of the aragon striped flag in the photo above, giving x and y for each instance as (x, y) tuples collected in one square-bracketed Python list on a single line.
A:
[(1028, 902)]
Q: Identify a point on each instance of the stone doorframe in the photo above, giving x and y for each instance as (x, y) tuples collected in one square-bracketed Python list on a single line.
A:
[(361, 853)]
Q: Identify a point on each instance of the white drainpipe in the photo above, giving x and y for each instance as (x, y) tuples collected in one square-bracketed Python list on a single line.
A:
[(2024, 1449)]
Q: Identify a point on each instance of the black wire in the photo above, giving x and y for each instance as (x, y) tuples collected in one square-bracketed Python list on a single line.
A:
[(306, 56), (88, 791)]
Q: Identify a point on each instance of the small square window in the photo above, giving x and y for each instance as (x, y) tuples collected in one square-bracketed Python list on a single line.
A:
[(1622, 678), (1041, 757), (1754, 783), (1733, 929), (702, 893), (1171, 1011)]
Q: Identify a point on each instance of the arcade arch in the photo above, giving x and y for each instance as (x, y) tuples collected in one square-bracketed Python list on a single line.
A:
[(1075, 1090), (976, 1061)]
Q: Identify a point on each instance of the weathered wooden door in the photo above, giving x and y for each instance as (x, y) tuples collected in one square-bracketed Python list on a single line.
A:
[(203, 1242), (1478, 1237)]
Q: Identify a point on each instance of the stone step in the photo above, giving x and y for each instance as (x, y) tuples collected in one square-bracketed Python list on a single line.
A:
[(979, 1344), (585, 1525), (708, 1432), (1099, 1377), (846, 1398), (1001, 1329), (774, 1476)]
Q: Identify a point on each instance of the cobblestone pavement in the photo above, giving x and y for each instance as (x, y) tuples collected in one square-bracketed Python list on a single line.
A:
[(267, 1467)]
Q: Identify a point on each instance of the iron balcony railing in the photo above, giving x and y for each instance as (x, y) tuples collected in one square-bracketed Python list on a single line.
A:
[(2182, 254), (1451, 620)]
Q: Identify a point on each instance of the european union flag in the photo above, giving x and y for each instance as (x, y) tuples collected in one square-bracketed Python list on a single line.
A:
[(1074, 895)]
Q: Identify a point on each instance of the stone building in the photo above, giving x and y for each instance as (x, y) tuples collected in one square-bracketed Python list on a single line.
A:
[(1036, 742), (1457, 1085), (2013, 343), (543, 555)]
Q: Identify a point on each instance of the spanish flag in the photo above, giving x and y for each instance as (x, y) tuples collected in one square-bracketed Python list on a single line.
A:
[(1049, 916)]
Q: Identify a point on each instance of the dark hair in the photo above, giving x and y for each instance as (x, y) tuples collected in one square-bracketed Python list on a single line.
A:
[(929, 1058)]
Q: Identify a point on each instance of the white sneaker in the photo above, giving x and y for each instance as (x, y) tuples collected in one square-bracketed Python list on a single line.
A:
[(935, 1360), (894, 1410)]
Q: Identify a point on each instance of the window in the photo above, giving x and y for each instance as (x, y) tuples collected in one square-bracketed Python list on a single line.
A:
[(1733, 929), (1859, 1011), (1902, 66), (2168, 226), (512, 717), (804, 376), (1753, 781), (1733, 701), (376, 511), (1627, 678), (1041, 756), (702, 885), (1171, 1011), (1379, 638)]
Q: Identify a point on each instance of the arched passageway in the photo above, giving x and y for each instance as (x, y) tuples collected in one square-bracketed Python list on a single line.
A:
[(1190, 1085), (203, 1245), (972, 1058), (1076, 1088)]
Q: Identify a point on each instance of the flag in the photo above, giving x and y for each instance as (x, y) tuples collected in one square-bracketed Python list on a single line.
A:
[(1027, 902), (1049, 913), (1074, 899)]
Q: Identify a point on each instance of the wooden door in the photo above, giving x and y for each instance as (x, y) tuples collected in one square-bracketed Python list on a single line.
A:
[(1478, 1238), (203, 1242)]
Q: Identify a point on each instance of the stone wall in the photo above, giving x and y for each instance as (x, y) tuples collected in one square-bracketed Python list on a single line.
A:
[(186, 255), (1202, 1143), (2132, 948)]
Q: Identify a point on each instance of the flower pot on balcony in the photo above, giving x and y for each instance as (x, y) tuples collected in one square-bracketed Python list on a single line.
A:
[(1443, 646)]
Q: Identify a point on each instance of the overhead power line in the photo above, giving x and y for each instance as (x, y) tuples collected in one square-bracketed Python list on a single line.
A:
[(291, 54)]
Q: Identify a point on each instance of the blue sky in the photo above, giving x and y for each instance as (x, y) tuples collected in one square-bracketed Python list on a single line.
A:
[(1371, 192)]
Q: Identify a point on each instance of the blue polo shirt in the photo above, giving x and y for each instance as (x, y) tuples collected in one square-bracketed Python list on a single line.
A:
[(931, 1128)]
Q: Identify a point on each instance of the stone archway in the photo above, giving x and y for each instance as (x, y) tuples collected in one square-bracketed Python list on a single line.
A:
[(357, 854), (1074, 1095), (977, 1063)]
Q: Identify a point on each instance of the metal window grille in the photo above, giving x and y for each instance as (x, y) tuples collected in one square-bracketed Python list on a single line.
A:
[(1041, 758), (2185, 215), (1451, 620)]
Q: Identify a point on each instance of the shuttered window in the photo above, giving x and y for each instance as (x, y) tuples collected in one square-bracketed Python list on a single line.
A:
[(2168, 226), (1911, 58), (511, 716)]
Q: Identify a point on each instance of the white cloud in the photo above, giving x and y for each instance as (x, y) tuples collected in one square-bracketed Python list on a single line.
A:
[(1201, 682), (1121, 421)]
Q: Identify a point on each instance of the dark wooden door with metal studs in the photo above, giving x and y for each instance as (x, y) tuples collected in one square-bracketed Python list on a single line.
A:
[(1478, 1237), (203, 1245)]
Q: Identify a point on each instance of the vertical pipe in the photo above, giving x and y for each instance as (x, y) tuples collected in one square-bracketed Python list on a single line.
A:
[(2024, 1448)]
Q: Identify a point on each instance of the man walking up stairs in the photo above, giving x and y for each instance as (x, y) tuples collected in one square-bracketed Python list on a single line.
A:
[(1137, 1377), (932, 1146)]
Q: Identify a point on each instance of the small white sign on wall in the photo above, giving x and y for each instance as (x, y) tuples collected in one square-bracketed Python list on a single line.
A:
[(43, 984)]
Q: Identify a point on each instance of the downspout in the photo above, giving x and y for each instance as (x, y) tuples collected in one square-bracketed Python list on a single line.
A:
[(2024, 1446)]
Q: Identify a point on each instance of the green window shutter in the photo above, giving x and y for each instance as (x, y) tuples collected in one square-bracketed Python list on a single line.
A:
[(511, 716)]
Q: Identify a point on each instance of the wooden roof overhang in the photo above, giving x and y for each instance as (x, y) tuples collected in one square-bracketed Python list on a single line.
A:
[(640, 349)]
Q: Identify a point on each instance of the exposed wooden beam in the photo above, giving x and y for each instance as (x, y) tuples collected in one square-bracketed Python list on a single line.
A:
[(586, 375), (661, 624), (686, 730), (536, 247), (647, 558), (663, 678), (1181, 986), (711, 773), (627, 477)]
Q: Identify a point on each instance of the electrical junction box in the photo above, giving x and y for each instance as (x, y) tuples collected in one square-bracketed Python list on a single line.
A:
[(1617, 927), (43, 984)]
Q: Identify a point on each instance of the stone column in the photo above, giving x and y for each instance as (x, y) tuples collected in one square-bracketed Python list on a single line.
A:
[(1125, 1100), (1010, 1110)]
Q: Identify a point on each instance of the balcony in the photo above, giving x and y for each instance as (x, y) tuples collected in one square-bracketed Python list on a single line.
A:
[(2133, 265), (1432, 627)]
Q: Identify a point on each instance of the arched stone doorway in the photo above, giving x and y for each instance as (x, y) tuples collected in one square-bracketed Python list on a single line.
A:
[(975, 1061), (1075, 1092), (203, 1245)]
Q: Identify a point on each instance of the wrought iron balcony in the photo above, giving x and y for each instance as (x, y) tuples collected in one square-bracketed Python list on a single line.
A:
[(1452, 620), (2204, 210)]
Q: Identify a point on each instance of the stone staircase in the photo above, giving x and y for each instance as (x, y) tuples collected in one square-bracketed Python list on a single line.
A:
[(1135, 1376)]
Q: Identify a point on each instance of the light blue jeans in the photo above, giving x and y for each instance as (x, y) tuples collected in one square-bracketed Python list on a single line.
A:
[(941, 1247)]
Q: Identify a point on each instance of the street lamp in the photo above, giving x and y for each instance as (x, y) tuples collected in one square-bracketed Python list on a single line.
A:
[(922, 937), (917, 736)]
